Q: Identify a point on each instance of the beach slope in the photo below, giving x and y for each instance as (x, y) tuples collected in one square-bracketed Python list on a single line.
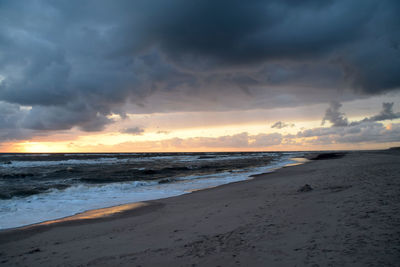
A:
[(349, 215)]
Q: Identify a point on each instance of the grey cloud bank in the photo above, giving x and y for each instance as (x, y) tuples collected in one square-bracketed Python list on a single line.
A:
[(337, 118), (334, 116), (351, 137), (367, 131), (77, 62)]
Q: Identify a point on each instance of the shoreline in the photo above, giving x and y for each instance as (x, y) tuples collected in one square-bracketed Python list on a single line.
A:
[(351, 218), (125, 206), (147, 206)]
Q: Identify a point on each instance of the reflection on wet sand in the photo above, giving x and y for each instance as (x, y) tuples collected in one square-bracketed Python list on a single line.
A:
[(98, 213), (298, 161)]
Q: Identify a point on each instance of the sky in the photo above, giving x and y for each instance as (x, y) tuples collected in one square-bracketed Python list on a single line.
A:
[(201, 75)]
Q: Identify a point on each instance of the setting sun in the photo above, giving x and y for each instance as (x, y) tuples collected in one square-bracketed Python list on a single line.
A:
[(42, 147)]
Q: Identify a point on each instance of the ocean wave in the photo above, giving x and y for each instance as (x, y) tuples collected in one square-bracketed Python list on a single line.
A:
[(81, 188), (45, 163)]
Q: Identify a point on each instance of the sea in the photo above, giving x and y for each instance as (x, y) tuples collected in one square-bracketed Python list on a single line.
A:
[(36, 188)]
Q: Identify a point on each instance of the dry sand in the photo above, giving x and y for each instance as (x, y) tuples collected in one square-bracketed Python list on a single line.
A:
[(351, 218)]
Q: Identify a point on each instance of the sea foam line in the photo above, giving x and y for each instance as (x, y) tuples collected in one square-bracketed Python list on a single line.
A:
[(57, 204)]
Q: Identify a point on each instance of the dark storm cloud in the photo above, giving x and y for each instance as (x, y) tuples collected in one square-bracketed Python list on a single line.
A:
[(60, 118), (77, 62), (259, 29), (11, 116)]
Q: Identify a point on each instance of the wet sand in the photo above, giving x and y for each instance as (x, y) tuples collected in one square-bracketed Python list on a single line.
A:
[(350, 218)]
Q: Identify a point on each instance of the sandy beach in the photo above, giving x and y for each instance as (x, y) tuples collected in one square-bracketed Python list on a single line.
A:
[(351, 217)]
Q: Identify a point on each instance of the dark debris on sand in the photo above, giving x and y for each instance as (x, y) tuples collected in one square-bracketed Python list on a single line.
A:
[(325, 156), (305, 188)]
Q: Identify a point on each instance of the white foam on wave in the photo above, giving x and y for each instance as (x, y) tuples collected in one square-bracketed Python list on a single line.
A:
[(57, 204), (104, 160), (114, 160), (45, 163)]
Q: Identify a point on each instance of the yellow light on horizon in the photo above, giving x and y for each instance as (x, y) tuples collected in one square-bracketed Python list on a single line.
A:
[(43, 147)]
